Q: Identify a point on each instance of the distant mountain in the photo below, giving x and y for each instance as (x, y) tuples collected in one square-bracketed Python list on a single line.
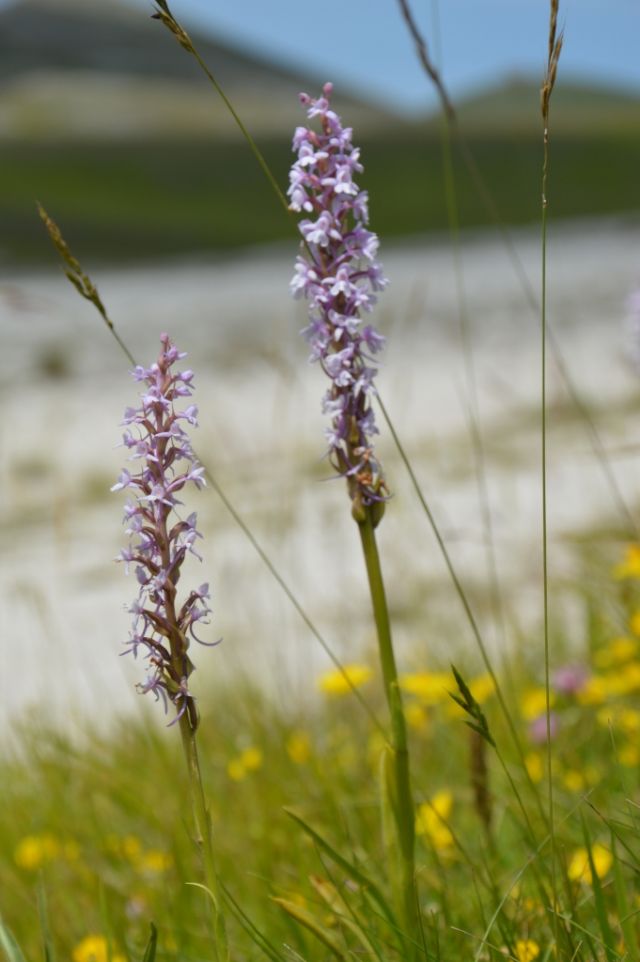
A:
[(100, 68), (576, 108)]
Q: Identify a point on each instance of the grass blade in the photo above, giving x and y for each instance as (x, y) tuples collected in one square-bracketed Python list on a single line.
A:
[(343, 912), (45, 927), (309, 921), (10, 947), (608, 939), (370, 887), (625, 914), (152, 945)]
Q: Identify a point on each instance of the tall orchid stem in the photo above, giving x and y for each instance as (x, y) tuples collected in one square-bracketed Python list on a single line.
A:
[(402, 803), (204, 837)]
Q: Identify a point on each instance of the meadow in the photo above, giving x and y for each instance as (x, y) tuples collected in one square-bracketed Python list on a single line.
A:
[(469, 794)]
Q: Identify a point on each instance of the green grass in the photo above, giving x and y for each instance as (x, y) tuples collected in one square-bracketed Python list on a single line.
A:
[(138, 202), (101, 832)]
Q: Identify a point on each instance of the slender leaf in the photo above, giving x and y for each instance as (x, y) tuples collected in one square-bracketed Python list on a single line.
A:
[(367, 884), (250, 928), (9, 945), (152, 945), (45, 929), (338, 905), (606, 931), (626, 916), (314, 925)]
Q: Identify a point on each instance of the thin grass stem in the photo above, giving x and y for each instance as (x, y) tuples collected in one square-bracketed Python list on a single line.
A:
[(165, 16), (473, 408), (555, 47)]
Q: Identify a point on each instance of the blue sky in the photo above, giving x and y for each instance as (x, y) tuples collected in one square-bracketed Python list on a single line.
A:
[(365, 43)]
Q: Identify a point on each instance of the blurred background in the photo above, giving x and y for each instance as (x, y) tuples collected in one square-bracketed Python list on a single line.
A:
[(116, 131), (110, 125)]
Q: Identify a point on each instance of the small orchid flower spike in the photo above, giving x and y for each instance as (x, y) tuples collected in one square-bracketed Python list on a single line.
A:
[(160, 537), (337, 272)]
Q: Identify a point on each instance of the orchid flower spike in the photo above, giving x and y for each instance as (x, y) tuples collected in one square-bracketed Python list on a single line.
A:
[(337, 272), (160, 538)]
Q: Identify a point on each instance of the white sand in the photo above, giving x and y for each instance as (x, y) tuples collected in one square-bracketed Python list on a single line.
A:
[(261, 434)]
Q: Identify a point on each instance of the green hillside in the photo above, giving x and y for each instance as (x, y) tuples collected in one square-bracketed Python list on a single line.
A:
[(98, 69), (130, 183), (153, 199), (578, 109)]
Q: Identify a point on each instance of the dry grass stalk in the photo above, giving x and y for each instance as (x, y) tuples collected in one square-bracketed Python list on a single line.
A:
[(164, 14), (80, 280), (555, 48), (425, 60)]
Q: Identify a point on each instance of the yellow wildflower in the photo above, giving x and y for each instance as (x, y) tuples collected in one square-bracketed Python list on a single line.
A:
[(573, 780), (594, 691), (579, 869), (616, 652), (629, 567), (251, 758), (154, 862), (532, 906), (533, 703), (335, 683), (535, 766), (33, 851), (482, 688), (629, 720), (94, 948), (247, 761), (629, 756), (625, 681), (416, 716), (131, 847), (431, 687), (236, 770), (527, 950), (431, 818), (298, 746), (606, 716), (626, 720), (442, 802)]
